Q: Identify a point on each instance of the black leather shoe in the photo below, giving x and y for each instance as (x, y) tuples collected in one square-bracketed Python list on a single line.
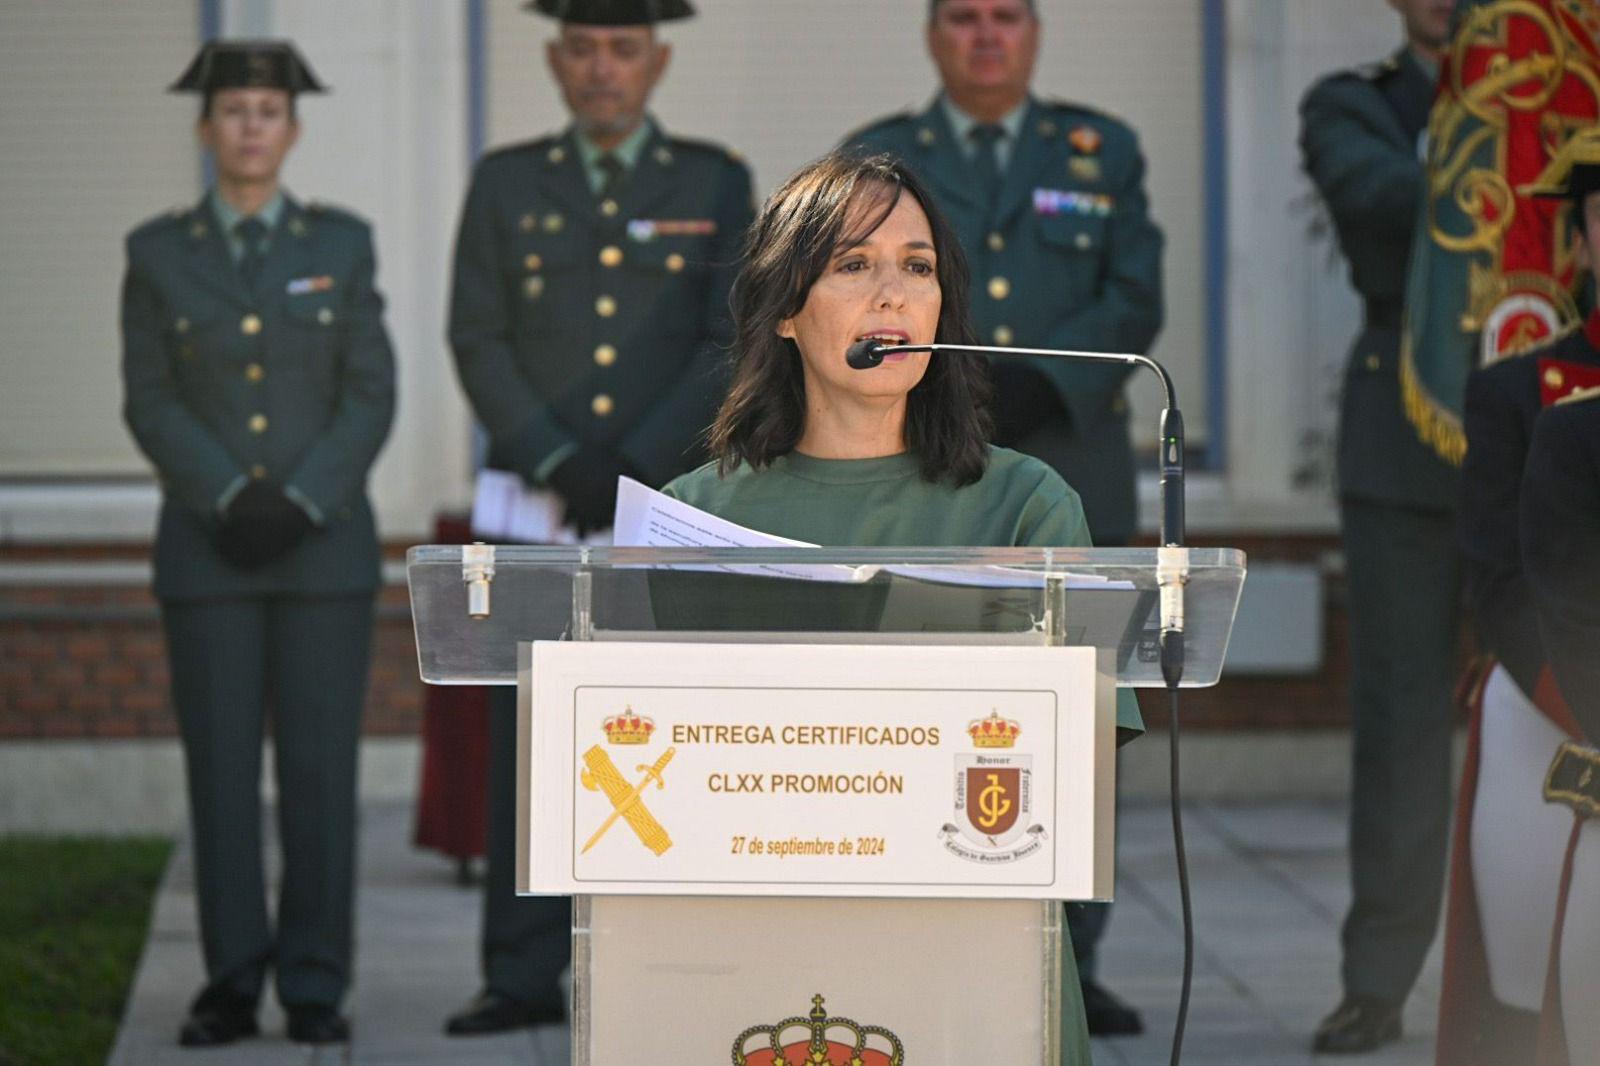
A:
[(491, 1012), (1361, 1023), (1106, 1014), (317, 1025), (215, 1020)]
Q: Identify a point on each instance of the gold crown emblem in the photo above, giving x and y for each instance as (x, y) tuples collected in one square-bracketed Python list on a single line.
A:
[(628, 728), (818, 1040), (993, 731)]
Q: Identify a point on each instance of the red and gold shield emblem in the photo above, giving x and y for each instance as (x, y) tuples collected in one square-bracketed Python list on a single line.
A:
[(994, 798)]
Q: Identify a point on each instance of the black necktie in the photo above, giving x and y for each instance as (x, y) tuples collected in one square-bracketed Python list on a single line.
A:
[(613, 169), (251, 231), (986, 137)]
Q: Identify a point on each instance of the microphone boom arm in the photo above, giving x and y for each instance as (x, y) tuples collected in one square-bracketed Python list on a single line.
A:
[(868, 354)]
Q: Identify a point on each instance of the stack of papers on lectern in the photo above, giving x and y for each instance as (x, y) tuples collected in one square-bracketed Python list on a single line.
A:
[(649, 519)]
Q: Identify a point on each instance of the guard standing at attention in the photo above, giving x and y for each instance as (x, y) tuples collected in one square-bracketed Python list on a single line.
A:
[(260, 382), (1360, 137), (1049, 202), (1560, 534), (589, 320), (1507, 867)]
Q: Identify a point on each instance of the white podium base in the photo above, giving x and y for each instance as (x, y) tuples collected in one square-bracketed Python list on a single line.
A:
[(680, 979)]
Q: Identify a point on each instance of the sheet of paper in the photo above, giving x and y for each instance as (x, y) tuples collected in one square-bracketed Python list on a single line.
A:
[(646, 518), (649, 519)]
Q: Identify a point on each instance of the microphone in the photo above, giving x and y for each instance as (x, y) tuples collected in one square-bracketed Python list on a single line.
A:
[(864, 355), (1172, 570)]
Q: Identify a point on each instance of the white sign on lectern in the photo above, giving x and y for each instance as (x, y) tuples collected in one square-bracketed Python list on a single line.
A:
[(815, 770)]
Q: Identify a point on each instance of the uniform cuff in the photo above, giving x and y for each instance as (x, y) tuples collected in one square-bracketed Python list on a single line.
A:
[(541, 473), (235, 487), (302, 501)]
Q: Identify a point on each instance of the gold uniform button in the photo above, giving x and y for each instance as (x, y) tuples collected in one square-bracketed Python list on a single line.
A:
[(254, 373), (602, 405), (609, 208), (557, 154), (533, 287), (250, 325), (610, 256), (925, 137), (1083, 240), (1554, 378), (1373, 362), (527, 223), (999, 288), (258, 423), (675, 263), (605, 355), (325, 316), (605, 306), (997, 243), (182, 325), (532, 262), (664, 156), (258, 471), (553, 222), (1002, 336)]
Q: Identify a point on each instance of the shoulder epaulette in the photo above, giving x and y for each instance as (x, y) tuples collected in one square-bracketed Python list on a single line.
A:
[(537, 144), (1377, 69), (1579, 396), (699, 146), (898, 118), (322, 210), (1076, 108), (175, 218)]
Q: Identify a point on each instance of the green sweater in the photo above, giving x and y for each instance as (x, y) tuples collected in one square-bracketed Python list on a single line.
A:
[(1019, 502)]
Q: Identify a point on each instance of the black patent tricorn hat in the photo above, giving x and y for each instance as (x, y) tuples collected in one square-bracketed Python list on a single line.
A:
[(248, 65), (613, 12)]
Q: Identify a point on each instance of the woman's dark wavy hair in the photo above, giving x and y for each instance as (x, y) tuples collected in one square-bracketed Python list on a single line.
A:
[(799, 230)]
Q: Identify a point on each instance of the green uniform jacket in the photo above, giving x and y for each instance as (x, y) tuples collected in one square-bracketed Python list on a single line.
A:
[(292, 381), (576, 320), (1358, 138), (1070, 260)]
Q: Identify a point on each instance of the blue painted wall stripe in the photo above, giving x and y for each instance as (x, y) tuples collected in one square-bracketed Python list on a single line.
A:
[(477, 78), (210, 29), (1215, 102)]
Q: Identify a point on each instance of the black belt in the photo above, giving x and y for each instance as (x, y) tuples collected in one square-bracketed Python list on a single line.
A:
[(1383, 316), (1574, 779)]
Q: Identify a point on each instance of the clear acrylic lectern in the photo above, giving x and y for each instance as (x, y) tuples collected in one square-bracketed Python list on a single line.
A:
[(903, 975)]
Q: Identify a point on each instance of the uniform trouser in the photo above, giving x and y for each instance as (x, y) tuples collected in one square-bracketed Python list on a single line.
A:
[(1401, 572), (1579, 948), (308, 658), (527, 940)]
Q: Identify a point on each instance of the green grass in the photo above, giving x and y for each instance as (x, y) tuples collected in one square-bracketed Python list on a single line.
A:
[(73, 915)]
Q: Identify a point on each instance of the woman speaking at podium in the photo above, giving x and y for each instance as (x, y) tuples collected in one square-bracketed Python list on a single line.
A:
[(852, 248)]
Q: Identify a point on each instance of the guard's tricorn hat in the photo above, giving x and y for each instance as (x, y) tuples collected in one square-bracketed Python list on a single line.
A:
[(248, 65), (1574, 171), (613, 12)]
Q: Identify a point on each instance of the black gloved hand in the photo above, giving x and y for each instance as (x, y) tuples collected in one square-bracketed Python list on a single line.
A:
[(261, 525), (587, 481), (1024, 400)]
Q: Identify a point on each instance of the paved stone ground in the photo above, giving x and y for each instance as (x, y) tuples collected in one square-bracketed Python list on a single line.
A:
[(1269, 885)]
